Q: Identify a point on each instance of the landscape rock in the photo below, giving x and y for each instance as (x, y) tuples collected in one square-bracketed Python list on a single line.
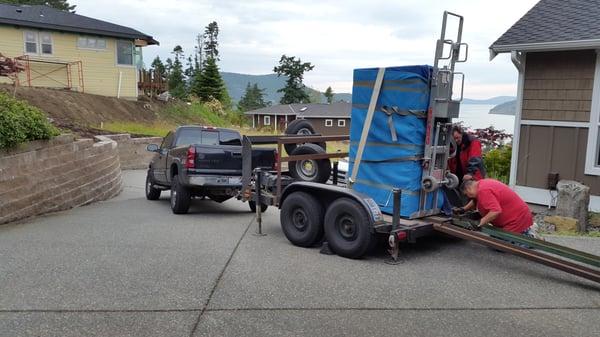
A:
[(561, 223), (573, 201)]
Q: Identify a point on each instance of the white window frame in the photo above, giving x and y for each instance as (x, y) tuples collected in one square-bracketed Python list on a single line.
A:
[(117, 54), (328, 123), (266, 120), (341, 123), (593, 145), (86, 37), (38, 42)]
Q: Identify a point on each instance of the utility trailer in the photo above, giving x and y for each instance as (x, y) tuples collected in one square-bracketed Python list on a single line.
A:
[(350, 221)]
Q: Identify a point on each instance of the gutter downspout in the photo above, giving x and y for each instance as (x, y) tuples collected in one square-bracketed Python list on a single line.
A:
[(119, 86), (518, 59)]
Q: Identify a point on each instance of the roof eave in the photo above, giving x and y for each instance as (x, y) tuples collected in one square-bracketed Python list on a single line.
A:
[(544, 46)]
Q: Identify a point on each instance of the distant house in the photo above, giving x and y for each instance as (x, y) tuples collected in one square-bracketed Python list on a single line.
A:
[(327, 119), (66, 50), (555, 49)]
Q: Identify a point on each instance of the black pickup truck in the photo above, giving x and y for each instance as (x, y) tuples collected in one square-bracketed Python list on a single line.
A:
[(199, 161)]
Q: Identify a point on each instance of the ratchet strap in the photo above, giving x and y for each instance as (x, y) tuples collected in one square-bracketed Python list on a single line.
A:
[(391, 110), (367, 125)]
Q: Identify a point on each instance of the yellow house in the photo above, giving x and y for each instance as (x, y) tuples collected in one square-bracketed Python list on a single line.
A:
[(60, 49)]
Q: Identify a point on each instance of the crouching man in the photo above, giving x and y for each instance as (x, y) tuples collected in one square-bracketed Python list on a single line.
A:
[(499, 206)]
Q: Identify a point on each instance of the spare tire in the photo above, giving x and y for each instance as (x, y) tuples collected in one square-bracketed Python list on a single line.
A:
[(300, 127), (313, 170)]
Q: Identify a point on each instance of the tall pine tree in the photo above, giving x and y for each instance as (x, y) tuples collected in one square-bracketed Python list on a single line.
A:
[(253, 98), (63, 5), (176, 79), (294, 90), (208, 81), (329, 95)]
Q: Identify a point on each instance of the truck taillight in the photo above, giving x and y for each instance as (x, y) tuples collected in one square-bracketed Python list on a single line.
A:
[(190, 161), (276, 162)]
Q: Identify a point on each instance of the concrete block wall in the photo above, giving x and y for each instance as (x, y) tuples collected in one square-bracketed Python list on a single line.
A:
[(132, 151), (46, 176)]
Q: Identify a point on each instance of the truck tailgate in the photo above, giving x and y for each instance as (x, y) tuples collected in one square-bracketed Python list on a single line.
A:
[(218, 159)]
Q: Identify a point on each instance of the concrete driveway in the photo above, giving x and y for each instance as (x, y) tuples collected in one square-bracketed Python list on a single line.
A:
[(128, 267)]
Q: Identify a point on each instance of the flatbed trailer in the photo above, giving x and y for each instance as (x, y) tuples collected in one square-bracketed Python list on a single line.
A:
[(275, 187)]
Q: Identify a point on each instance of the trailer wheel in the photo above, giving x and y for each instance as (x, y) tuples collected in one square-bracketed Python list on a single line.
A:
[(252, 204), (302, 219), (314, 170), (300, 127), (347, 228), (180, 197)]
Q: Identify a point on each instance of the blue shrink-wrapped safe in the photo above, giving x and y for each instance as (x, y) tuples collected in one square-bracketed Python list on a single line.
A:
[(396, 137)]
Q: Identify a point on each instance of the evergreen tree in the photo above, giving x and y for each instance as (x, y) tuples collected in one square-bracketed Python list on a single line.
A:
[(211, 43), (176, 80), (329, 95), (63, 5), (168, 66), (294, 90), (158, 67), (253, 98), (210, 84)]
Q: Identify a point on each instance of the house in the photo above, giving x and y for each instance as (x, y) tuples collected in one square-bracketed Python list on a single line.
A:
[(555, 48), (60, 49), (327, 119)]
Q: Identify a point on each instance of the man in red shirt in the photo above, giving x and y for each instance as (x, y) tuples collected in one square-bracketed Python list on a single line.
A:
[(499, 205), (468, 163)]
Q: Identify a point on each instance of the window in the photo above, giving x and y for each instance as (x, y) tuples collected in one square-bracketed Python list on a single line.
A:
[(124, 53), (230, 138), (167, 141), (38, 43), (267, 120), (46, 43), (329, 122), (31, 42), (592, 160), (341, 123), (88, 42)]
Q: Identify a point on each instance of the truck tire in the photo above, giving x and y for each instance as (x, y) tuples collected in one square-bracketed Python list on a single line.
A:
[(301, 219), (252, 205), (180, 197), (300, 127), (312, 170), (152, 193), (347, 228)]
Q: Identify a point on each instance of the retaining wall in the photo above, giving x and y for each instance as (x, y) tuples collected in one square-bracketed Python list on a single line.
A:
[(46, 176), (132, 151)]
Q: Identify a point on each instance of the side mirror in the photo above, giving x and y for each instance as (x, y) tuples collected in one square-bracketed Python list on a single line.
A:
[(152, 148)]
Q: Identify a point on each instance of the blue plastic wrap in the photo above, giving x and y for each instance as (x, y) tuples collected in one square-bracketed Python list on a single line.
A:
[(388, 164)]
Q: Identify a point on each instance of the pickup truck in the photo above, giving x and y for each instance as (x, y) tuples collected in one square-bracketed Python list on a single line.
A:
[(200, 161)]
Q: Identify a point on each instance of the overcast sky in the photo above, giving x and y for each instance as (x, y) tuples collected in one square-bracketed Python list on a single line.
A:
[(335, 36)]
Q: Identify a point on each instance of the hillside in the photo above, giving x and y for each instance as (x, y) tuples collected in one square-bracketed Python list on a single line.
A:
[(507, 108), (489, 101), (236, 86)]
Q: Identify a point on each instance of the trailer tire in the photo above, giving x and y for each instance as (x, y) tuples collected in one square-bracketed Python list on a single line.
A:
[(152, 193), (300, 127), (301, 219), (180, 197), (318, 170), (252, 204), (347, 228)]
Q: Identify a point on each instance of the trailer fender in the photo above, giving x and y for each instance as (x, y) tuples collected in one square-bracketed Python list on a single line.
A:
[(328, 193)]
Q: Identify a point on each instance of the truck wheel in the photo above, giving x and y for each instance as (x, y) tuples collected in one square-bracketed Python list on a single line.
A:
[(252, 205), (152, 193), (313, 170), (347, 228), (300, 127), (302, 219), (180, 197)]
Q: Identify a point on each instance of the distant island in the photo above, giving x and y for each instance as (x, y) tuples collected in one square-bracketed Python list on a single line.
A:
[(236, 86), (506, 108)]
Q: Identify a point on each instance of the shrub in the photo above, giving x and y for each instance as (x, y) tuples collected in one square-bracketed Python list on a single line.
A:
[(497, 163), (21, 122)]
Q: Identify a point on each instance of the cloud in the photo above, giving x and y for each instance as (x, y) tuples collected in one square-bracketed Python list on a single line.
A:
[(335, 36)]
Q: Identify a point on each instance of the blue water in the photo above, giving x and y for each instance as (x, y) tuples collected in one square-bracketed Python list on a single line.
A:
[(477, 116)]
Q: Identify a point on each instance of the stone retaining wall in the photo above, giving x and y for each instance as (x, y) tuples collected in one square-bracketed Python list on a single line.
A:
[(132, 151), (46, 176)]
